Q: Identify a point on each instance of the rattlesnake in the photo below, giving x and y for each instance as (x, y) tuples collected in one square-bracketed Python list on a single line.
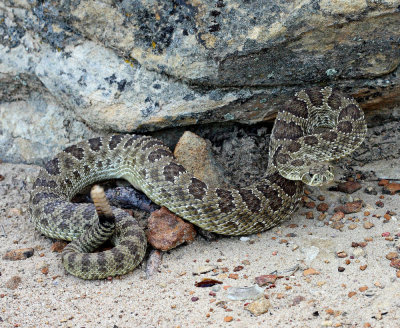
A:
[(316, 126)]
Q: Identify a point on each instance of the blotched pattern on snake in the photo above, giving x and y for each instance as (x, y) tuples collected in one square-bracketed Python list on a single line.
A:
[(315, 127)]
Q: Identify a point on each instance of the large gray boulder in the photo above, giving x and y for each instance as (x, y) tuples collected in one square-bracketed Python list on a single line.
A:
[(73, 69)]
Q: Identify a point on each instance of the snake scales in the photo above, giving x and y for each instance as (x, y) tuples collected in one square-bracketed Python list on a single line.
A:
[(315, 127)]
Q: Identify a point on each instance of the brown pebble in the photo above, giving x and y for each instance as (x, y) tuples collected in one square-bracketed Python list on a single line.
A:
[(368, 225), (391, 188), (383, 182), (337, 225), (341, 269), (392, 255), (167, 231), (347, 261), (293, 225), (395, 263), (266, 279), (45, 270), (228, 319), (349, 187), (58, 246), (366, 213), (363, 288), (18, 254), (363, 267), (341, 254), (337, 216), (322, 207), (387, 217), (310, 204), (233, 276), (379, 203), (13, 282), (322, 216), (310, 271), (351, 294), (352, 226), (321, 198), (350, 207), (398, 274), (238, 268), (310, 215)]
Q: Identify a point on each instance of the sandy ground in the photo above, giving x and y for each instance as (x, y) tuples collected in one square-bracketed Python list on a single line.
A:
[(52, 298)]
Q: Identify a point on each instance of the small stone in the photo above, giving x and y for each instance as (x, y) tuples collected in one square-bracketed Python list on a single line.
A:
[(321, 198), (45, 270), (349, 187), (326, 323), (310, 204), (245, 293), (351, 294), (379, 203), (18, 254), (310, 271), (370, 191), (350, 207), (58, 246), (341, 269), (392, 255), (387, 217), (363, 267), (337, 216), (153, 263), (297, 300), (398, 274), (259, 306), (228, 319), (13, 282), (352, 226), (363, 288), (358, 252), (309, 215), (244, 238), (233, 276), (341, 254), (238, 268), (322, 207), (391, 188), (203, 269), (14, 212), (166, 230), (385, 234), (383, 182), (194, 299), (395, 263), (337, 225), (368, 225), (266, 279)]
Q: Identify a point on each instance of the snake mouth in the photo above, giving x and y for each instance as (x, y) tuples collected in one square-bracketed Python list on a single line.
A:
[(318, 176)]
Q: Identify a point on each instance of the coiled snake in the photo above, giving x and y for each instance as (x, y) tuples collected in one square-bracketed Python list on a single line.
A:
[(315, 127)]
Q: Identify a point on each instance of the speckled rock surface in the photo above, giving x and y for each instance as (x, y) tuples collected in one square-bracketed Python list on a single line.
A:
[(146, 65)]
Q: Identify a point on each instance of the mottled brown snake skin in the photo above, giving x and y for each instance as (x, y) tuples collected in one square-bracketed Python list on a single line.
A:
[(315, 127)]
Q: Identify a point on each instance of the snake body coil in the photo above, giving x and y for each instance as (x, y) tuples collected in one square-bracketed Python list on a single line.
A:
[(315, 127)]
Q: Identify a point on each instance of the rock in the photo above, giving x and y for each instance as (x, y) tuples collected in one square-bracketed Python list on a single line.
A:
[(370, 190), (13, 282), (194, 153), (351, 207), (322, 207), (392, 255), (166, 230), (339, 215), (391, 188), (395, 263), (245, 293), (148, 65), (310, 271), (19, 254), (203, 269), (368, 225), (259, 306), (310, 253), (266, 279), (153, 263), (349, 187), (58, 246), (358, 252)]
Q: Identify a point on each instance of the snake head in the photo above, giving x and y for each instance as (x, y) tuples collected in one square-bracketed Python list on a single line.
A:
[(317, 174)]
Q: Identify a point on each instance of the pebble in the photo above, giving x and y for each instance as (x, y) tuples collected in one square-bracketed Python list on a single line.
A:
[(244, 238), (337, 216), (259, 306), (392, 255), (341, 269), (395, 263), (203, 269), (310, 253), (368, 225), (350, 207), (363, 267), (266, 279), (352, 226), (341, 254), (228, 319), (167, 231), (363, 288), (349, 187), (58, 246), (310, 271), (13, 282), (18, 254), (351, 294), (370, 191), (322, 207), (245, 293), (391, 188), (153, 263)]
